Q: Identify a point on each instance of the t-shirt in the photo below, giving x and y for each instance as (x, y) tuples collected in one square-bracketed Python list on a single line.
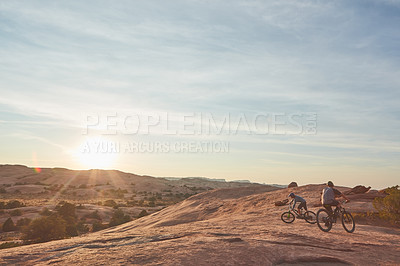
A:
[(337, 192), (328, 195), (297, 199)]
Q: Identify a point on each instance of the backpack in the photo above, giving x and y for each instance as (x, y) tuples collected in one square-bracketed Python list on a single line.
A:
[(328, 196)]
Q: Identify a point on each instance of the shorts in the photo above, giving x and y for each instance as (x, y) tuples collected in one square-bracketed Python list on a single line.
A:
[(328, 207), (333, 203), (303, 205)]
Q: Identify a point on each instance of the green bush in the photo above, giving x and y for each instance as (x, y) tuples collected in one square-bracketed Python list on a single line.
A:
[(9, 225), (46, 228), (389, 206)]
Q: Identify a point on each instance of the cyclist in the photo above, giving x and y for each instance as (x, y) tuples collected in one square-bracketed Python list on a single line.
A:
[(328, 197), (295, 199)]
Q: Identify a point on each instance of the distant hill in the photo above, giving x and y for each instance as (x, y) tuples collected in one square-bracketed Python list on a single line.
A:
[(22, 179)]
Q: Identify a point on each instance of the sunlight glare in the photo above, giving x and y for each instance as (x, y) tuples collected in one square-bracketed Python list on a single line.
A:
[(97, 153)]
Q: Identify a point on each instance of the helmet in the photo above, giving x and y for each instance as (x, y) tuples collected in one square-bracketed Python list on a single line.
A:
[(291, 195), (330, 184)]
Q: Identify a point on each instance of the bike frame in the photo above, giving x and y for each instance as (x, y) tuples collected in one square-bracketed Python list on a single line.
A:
[(338, 211), (294, 210)]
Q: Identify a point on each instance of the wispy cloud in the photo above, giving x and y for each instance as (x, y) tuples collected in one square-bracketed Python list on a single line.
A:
[(63, 60)]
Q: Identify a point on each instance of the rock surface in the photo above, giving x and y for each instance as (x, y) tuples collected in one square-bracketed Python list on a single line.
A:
[(357, 190), (239, 226), (281, 202)]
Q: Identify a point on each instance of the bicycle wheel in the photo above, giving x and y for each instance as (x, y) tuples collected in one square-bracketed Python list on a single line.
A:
[(288, 217), (310, 217), (323, 220), (348, 222)]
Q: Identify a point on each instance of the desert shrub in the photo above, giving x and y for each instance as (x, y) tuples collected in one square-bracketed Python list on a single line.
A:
[(9, 225), (116, 193), (82, 228), (9, 245), (71, 230), (110, 203), (97, 226), (119, 217), (45, 212), (3, 190), (389, 206), (94, 215), (46, 228), (16, 212), (67, 211), (23, 222), (152, 204), (12, 204), (142, 214), (130, 203)]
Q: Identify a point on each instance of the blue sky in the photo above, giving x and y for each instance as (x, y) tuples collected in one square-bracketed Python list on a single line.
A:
[(61, 61)]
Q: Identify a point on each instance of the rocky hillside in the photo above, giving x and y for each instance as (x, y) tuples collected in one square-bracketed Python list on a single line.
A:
[(88, 183)]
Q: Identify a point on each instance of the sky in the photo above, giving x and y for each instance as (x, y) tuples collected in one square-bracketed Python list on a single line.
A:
[(268, 91)]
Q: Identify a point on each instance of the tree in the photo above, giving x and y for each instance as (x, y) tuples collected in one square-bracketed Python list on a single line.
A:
[(389, 206), (71, 230), (67, 212), (9, 225), (119, 217), (46, 228), (23, 222), (45, 212), (142, 214), (97, 226), (82, 228)]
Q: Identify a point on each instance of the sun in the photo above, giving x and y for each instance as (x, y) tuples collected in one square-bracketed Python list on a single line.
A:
[(97, 153)]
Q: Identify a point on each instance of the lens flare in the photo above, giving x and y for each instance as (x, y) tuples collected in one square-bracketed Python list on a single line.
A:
[(37, 170), (34, 160)]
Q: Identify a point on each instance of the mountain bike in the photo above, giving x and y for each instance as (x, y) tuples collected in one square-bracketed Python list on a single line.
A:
[(292, 214), (325, 221)]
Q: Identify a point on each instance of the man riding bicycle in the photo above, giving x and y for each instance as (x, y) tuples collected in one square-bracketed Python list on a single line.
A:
[(295, 199), (328, 197)]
